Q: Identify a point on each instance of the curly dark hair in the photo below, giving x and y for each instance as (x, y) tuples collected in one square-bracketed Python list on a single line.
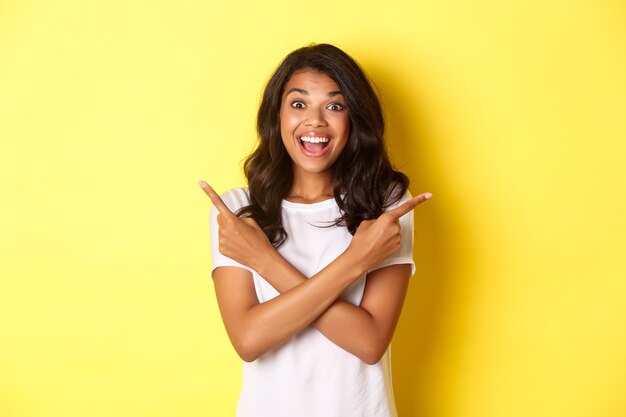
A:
[(364, 181)]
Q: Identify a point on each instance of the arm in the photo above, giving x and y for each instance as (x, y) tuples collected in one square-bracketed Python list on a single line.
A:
[(365, 330), (371, 325), (255, 328)]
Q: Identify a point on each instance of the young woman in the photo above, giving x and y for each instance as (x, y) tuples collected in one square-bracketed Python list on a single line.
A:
[(311, 261)]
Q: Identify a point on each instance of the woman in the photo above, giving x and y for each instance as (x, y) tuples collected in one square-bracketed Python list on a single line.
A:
[(311, 262)]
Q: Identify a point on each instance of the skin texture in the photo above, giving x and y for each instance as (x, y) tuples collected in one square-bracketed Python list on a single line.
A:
[(255, 328)]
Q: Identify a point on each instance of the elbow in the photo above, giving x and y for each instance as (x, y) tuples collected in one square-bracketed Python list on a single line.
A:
[(244, 353), (371, 359), (373, 353), (247, 356), (246, 348)]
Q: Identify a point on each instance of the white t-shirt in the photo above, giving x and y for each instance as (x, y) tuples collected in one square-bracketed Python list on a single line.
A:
[(310, 376)]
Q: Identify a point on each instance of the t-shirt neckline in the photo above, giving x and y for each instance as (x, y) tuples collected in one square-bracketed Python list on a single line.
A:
[(320, 204)]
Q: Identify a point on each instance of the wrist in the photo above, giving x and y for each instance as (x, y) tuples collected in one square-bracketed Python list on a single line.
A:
[(264, 259), (357, 260)]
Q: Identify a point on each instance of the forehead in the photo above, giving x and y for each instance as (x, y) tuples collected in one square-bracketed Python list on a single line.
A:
[(311, 81)]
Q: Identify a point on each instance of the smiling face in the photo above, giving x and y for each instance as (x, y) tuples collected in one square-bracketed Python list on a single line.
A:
[(314, 122)]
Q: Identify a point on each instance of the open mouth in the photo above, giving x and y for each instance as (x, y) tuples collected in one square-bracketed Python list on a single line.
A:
[(314, 145)]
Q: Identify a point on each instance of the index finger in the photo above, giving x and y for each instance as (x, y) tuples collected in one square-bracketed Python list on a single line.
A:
[(409, 205), (216, 199)]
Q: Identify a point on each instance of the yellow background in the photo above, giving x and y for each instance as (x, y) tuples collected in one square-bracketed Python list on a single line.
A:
[(512, 113)]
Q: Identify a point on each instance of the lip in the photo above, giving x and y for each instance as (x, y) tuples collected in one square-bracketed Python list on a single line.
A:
[(315, 135)]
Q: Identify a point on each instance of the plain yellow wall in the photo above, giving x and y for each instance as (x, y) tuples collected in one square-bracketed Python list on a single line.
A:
[(512, 113)]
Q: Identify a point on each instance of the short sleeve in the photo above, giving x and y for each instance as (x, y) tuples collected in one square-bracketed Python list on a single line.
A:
[(405, 254), (234, 199)]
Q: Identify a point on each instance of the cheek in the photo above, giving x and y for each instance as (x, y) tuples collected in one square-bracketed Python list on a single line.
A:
[(343, 144), (288, 120), (345, 126), (345, 132), (286, 130), (282, 119)]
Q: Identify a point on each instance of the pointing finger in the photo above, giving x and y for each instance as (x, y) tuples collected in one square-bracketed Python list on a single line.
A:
[(409, 205), (216, 199)]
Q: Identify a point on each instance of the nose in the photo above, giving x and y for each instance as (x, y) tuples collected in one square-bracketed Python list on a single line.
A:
[(315, 117)]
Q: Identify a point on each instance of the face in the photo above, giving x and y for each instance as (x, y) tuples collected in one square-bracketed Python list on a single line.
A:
[(314, 121)]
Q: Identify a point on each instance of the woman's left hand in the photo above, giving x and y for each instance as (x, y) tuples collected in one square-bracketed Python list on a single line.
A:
[(240, 238)]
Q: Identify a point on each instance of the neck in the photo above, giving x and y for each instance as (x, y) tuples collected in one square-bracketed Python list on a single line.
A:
[(311, 187)]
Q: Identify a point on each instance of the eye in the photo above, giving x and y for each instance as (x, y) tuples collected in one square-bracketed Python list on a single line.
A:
[(335, 107), (297, 104)]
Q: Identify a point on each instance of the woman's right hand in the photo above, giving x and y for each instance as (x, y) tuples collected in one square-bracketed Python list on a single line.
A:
[(240, 238), (376, 240)]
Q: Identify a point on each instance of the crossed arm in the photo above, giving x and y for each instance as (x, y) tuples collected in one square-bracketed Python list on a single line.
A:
[(255, 328)]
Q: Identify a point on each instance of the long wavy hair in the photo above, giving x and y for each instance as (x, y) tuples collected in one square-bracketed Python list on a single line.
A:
[(364, 180)]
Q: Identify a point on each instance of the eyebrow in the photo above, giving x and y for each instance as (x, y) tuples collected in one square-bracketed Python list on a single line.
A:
[(306, 93)]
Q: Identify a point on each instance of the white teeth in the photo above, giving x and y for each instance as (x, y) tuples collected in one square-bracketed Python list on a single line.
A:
[(314, 139)]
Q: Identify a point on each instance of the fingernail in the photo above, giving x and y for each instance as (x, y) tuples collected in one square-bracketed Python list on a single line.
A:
[(428, 195), (202, 183)]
